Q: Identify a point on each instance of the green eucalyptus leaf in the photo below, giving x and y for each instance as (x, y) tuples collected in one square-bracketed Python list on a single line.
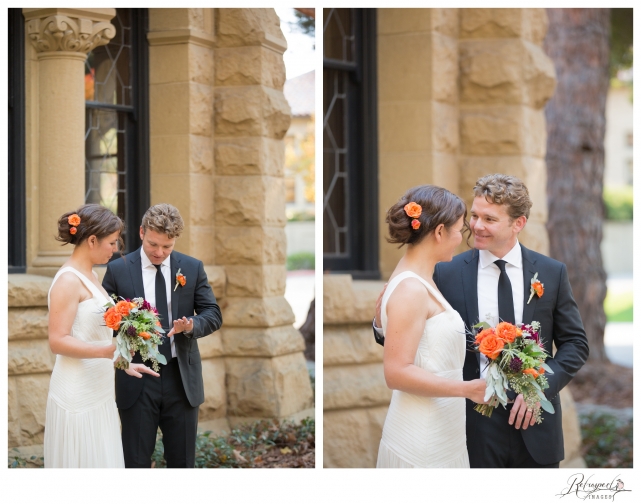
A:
[(547, 406)]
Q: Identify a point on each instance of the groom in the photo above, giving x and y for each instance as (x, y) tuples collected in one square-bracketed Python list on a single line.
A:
[(170, 402), (492, 283)]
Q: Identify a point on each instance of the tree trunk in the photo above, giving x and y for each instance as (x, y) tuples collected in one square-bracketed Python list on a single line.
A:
[(578, 41)]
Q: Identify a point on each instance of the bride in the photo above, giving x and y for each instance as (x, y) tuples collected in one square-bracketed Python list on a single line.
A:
[(82, 428), (424, 338)]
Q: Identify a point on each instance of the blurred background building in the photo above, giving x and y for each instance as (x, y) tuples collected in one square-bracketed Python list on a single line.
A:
[(444, 96), (133, 107)]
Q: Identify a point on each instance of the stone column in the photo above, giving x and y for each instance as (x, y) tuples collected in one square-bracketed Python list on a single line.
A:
[(62, 38), (506, 79), (266, 372), (181, 101), (418, 107)]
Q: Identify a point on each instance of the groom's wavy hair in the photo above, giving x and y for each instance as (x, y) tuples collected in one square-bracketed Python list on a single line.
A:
[(163, 218), (438, 206), (505, 190)]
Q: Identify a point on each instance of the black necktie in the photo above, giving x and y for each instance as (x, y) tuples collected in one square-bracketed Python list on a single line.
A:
[(506, 301), (163, 312)]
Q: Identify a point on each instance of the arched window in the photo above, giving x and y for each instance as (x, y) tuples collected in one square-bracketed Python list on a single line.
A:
[(117, 123)]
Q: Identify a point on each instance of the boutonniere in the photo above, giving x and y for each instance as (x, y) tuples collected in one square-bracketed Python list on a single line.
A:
[(180, 279), (536, 287)]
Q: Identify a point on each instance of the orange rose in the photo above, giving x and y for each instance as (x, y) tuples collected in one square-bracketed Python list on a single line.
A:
[(122, 308), (485, 332), (413, 210), (491, 346), (532, 372), (73, 220), (506, 331), (73, 230), (541, 371), (158, 323), (416, 224), (112, 319), (144, 335), (181, 280), (538, 288)]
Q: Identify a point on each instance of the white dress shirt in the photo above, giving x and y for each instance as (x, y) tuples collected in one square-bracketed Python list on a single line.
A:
[(488, 286), (149, 283)]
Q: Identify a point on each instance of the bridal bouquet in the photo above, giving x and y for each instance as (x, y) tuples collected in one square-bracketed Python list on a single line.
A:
[(139, 330), (517, 358)]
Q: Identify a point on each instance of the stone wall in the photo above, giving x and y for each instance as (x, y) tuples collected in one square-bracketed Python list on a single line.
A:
[(217, 121)]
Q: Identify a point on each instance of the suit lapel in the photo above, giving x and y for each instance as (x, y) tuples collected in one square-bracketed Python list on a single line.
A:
[(470, 274), (175, 293), (135, 272), (470, 289), (529, 271)]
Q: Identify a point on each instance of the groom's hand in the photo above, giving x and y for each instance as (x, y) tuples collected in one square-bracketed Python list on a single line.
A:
[(521, 416), (135, 369), (379, 302), (181, 326)]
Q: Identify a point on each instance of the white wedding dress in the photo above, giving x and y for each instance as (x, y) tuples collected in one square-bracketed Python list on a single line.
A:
[(428, 431), (82, 427)]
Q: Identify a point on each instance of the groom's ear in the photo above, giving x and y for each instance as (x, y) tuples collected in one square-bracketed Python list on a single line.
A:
[(142, 232), (519, 223)]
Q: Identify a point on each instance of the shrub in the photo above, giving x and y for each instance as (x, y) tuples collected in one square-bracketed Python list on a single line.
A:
[(301, 261), (618, 202), (607, 441)]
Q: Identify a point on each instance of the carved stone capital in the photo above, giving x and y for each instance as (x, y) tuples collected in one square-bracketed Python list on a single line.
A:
[(68, 31)]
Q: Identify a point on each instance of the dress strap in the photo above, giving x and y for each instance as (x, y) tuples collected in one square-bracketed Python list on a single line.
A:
[(87, 283), (394, 282)]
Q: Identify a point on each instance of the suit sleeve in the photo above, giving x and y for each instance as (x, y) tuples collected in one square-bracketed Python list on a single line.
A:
[(208, 317), (569, 337)]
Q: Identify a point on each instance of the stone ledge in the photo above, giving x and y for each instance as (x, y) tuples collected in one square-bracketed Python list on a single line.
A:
[(346, 387), (27, 290), (346, 301), (350, 345)]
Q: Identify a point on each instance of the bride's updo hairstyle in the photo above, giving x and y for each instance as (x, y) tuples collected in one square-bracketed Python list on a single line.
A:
[(438, 206), (76, 226)]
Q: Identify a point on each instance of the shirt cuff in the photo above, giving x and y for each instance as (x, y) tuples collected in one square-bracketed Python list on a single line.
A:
[(379, 330)]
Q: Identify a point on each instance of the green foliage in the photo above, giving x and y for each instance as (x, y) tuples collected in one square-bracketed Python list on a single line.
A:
[(306, 24), (607, 441), (620, 40), (19, 461), (245, 446), (619, 306), (618, 202), (301, 217), (300, 261)]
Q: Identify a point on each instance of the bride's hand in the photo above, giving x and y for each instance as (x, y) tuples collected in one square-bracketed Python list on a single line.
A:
[(135, 369), (476, 391), (109, 352)]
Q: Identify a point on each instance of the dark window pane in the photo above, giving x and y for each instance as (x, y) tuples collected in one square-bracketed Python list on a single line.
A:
[(338, 35)]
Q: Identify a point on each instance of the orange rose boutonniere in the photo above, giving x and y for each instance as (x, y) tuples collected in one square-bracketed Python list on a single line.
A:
[(536, 287), (180, 280)]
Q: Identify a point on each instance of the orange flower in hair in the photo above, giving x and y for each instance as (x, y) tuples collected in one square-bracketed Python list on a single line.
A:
[(413, 210), (416, 224), (73, 230), (73, 220)]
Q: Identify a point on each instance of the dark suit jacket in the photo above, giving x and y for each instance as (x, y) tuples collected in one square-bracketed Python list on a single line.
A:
[(560, 322), (124, 278)]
